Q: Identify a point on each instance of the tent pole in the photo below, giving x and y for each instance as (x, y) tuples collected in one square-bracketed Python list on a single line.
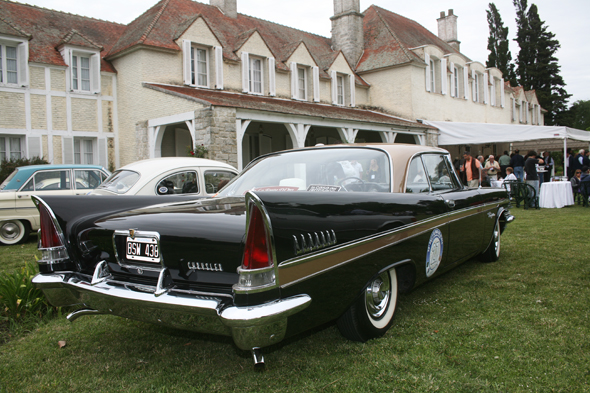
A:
[(565, 157)]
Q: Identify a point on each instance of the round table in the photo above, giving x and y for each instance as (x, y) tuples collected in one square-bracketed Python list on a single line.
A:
[(556, 194)]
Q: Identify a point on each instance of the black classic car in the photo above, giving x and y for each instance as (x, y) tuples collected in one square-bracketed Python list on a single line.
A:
[(300, 238)]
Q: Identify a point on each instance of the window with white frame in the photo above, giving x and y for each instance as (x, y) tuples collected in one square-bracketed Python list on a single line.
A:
[(199, 67), (432, 76), (476, 83), (80, 73), (255, 78), (84, 67), (455, 81), (11, 148), (302, 83), (340, 89), (84, 151), (14, 56)]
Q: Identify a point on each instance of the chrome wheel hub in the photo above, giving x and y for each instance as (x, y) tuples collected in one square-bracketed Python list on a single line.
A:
[(9, 231), (377, 296)]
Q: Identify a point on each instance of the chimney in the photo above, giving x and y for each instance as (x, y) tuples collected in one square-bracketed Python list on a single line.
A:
[(228, 7), (347, 29), (447, 29)]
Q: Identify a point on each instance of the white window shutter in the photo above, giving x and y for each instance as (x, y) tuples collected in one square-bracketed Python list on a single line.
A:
[(443, 76), (493, 91), (513, 100), (316, 83), (485, 88), (272, 77), (23, 63), (245, 72), (186, 61), (334, 76), (526, 112), (102, 153), (539, 114), (453, 90), (502, 98), (294, 80), (427, 60), (34, 146), (352, 90), (219, 67), (465, 83), (473, 85), (68, 148), (95, 73)]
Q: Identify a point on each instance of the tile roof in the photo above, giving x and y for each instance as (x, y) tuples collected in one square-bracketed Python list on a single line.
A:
[(278, 105), (389, 38), (48, 29)]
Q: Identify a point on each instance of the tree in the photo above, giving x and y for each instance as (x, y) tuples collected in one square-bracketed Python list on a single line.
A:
[(578, 116), (537, 66), (499, 46)]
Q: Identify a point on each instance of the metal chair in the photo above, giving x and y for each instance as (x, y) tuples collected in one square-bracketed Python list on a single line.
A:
[(530, 196)]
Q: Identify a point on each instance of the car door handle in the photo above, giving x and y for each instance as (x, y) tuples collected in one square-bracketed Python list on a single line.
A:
[(23, 196), (450, 203)]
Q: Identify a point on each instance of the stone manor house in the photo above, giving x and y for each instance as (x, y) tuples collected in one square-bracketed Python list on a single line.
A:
[(80, 90)]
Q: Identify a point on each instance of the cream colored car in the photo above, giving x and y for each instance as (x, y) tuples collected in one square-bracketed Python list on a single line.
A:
[(18, 214)]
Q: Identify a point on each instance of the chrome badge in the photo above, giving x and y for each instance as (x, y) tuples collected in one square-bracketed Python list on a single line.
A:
[(132, 233), (209, 267)]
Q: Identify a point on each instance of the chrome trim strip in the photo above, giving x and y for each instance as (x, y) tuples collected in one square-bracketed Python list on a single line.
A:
[(295, 270)]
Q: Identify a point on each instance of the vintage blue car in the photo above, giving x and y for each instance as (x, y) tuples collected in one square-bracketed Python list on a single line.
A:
[(300, 238)]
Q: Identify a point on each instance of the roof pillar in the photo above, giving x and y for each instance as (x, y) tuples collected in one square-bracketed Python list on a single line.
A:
[(447, 29), (228, 7), (347, 29)]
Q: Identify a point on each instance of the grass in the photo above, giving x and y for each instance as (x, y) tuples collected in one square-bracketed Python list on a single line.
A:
[(521, 324)]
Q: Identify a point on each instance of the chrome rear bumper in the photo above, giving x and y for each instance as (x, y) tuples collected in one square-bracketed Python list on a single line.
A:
[(250, 327)]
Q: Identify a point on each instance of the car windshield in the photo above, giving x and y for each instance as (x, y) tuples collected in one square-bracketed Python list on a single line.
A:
[(7, 180), (321, 169), (120, 181)]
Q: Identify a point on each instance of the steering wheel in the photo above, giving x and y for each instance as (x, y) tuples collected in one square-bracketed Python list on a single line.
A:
[(359, 180)]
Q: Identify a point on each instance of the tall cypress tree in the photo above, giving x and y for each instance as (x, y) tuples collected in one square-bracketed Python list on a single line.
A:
[(499, 46), (537, 66)]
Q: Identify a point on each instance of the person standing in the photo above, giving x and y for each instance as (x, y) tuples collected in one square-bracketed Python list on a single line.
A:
[(549, 164), (517, 163), (493, 167), (504, 162), (530, 168), (471, 170), (570, 163)]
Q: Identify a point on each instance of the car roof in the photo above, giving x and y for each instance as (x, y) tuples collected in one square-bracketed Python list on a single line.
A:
[(24, 172), (163, 164)]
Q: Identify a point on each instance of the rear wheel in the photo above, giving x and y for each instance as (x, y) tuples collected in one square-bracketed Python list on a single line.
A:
[(492, 254), (371, 315), (13, 231)]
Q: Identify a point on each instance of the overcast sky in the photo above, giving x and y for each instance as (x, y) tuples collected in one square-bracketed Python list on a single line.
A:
[(567, 19)]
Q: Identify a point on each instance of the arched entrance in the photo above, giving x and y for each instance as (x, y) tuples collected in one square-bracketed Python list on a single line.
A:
[(175, 141), (324, 135), (262, 138)]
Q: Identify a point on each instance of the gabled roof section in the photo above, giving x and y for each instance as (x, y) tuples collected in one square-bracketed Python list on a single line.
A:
[(8, 28), (389, 38), (78, 39), (159, 27), (277, 105), (48, 28)]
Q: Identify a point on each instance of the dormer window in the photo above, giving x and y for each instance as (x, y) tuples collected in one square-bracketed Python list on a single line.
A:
[(14, 57), (84, 70), (302, 83), (199, 67), (432, 76), (436, 74), (255, 75), (340, 89), (80, 73)]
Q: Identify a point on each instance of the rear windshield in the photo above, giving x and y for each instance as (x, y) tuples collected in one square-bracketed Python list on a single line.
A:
[(7, 180), (316, 170), (120, 181)]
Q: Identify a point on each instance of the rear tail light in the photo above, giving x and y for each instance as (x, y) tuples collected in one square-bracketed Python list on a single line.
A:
[(51, 243), (257, 270)]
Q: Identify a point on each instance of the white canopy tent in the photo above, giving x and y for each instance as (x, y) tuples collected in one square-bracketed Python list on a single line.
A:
[(455, 133)]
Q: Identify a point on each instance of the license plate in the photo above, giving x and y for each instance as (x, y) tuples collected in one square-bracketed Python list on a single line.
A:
[(142, 249)]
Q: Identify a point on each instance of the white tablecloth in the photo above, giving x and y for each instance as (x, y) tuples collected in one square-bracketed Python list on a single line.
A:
[(497, 183), (556, 194)]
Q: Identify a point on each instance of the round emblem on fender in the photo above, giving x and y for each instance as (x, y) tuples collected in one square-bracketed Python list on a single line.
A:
[(163, 190), (434, 252)]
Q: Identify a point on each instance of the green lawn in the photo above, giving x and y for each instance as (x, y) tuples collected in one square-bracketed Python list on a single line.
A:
[(518, 325)]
